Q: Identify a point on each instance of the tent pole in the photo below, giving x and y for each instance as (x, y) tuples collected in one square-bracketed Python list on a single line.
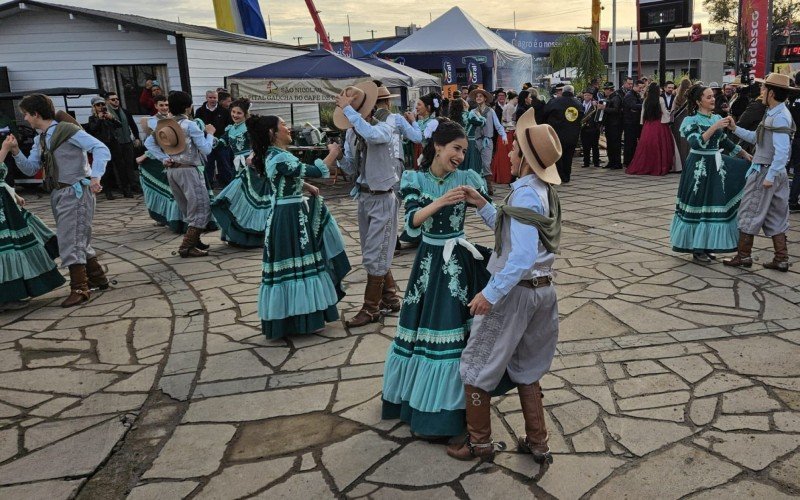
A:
[(291, 113)]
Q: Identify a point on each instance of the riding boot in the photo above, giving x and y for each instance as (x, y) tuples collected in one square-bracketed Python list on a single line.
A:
[(743, 251), (370, 312), (97, 277), (781, 260), (78, 285), (188, 246), (478, 443), (535, 439), (390, 301)]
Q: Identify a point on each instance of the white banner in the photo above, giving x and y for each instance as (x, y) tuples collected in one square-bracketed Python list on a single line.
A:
[(288, 91)]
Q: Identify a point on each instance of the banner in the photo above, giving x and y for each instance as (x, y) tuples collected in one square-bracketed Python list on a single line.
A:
[(240, 16), (347, 47), (474, 72), (261, 90), (697, 33), (753, 18), (448, 71), (603, 39)]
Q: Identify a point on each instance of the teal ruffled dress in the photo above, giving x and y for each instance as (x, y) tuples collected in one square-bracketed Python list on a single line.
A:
[(158, 199), (421, 381), (472, 158), (304, 257), (27, 251), (709, 191)]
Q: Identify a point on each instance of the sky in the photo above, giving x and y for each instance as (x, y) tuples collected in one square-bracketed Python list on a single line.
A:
[(290, 18)]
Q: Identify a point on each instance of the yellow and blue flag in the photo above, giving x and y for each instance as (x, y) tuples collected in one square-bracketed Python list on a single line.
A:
[(240, 16)]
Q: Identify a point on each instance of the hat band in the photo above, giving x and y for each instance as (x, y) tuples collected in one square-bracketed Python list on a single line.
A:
[(533, 148)]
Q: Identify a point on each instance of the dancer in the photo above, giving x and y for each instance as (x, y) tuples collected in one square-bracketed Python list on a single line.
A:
[(61, 150), (516, 315), (235, 135), (178, 142), (765, 204), (368, 156), (472, 122), (299, 291), (158, 199), (656, 151), (421, 384), (27, 247), (484, 134), (711, 183)]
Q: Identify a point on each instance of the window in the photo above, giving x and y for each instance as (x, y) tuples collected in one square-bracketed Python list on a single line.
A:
[(128, 82)]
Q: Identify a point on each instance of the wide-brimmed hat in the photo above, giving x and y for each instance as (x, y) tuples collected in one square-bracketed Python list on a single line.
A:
[(170, 136), (486, 94), (540, 146), (383, 93), (608, 85), (778, 80), (366, 95)]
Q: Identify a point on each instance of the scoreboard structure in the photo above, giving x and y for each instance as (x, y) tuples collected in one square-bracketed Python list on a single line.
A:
[(658, 15)]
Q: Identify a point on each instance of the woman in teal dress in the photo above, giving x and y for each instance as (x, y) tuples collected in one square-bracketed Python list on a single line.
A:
[(711, 184), (27, 248), (421, 381), (304, 258), (242, 208), (471, 121)]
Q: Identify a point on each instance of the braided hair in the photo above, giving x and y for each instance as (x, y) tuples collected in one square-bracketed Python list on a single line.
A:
[(447, 132), (262, 131)]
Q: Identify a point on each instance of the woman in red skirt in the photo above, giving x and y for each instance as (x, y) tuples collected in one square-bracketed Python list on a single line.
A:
[(656, 149)]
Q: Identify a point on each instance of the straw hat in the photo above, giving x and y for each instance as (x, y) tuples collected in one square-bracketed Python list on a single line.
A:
[(540, 147), (486, 94), (778, 80), (383, 93), (366, 95), (170, 136)]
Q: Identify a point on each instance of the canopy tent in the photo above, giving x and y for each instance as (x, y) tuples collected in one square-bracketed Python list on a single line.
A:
[(499, 63), (418, 78)]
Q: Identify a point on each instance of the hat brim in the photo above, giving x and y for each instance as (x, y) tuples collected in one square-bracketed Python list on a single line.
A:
[(370, 98), (176, 128), (486, 94), (549, 173)]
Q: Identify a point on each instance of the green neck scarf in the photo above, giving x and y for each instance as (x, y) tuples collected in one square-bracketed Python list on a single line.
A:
[(549, 227)]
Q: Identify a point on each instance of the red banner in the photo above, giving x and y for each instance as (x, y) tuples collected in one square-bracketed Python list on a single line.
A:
[(697, 33), (347, 47), (753, 22), (603, 40)]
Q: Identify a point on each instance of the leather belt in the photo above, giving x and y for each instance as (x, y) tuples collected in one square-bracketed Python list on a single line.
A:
[(537, 282), (181, 165), (364, 189)]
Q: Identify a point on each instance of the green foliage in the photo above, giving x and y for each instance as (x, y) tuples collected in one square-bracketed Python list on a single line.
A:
[(725, 13), (582, 53)]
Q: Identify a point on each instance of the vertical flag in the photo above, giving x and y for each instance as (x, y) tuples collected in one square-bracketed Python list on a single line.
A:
[(697, 33), (603, 39), (753, 18), (240, 16)]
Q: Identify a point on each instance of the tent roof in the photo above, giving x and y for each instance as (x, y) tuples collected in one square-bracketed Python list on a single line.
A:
[(453, 31), (328, 65), (418, 78)]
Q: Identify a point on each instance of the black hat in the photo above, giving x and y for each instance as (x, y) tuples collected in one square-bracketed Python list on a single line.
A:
[(608, 85), (587, 91), (560, 85)]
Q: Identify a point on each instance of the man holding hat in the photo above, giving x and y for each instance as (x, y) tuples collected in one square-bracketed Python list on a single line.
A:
[(180, 144), (515, 330), (61, 150), (765, 202), (370, 156)]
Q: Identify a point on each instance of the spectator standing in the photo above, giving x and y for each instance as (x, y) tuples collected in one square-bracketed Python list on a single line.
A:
[(611, 118), (590, 129), (631, 120), (103, 127), (564, 114), (219, 162), (123, 155), (657, 147)]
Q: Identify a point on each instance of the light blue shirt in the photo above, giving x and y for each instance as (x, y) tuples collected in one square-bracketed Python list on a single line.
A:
[(524, 241), (780, 142), (204, 143), (410, 132), (380, 133), (100, 153), (501, 130)]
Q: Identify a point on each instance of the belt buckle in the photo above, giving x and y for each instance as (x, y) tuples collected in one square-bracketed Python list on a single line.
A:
[(535, 282)]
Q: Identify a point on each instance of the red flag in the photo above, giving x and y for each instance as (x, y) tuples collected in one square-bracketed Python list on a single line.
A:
[(697, 33), (603, 40), (347, 47), (753, 20)]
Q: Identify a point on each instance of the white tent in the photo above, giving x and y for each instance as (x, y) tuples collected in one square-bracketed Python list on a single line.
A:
[(456, 33)]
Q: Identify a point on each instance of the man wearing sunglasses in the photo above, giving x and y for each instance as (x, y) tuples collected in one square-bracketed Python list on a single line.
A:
[(122, 149)]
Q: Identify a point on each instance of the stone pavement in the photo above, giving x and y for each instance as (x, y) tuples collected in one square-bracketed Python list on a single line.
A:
[(672, 379)]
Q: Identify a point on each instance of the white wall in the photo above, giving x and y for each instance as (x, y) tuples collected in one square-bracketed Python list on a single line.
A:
[(46, 49)]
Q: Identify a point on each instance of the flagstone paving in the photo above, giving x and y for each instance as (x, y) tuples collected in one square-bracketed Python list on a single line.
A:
[(672, 379)]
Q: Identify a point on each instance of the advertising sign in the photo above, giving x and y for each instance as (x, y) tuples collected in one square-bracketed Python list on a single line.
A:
[(753, 22)]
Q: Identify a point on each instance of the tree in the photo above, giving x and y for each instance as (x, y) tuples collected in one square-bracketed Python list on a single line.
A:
[(582, 53)]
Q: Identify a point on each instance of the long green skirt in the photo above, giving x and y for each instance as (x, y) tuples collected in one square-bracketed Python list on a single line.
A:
[(242, 209)]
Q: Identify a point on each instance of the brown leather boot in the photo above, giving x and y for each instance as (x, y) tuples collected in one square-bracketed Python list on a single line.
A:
[(390, 301), (188, 246), (97, 277), (479, 442), (743, 251), (535, 439), (370, 312), (781, 260), (78, 285)]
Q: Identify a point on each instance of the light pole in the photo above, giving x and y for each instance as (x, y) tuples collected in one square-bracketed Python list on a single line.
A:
[(614, 42), (298, 38)]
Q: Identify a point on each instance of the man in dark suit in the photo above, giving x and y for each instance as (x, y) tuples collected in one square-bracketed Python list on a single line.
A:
[(590, 129), (123, 153), (631, 120), (610, 114), (668, 95), (564, 115)]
